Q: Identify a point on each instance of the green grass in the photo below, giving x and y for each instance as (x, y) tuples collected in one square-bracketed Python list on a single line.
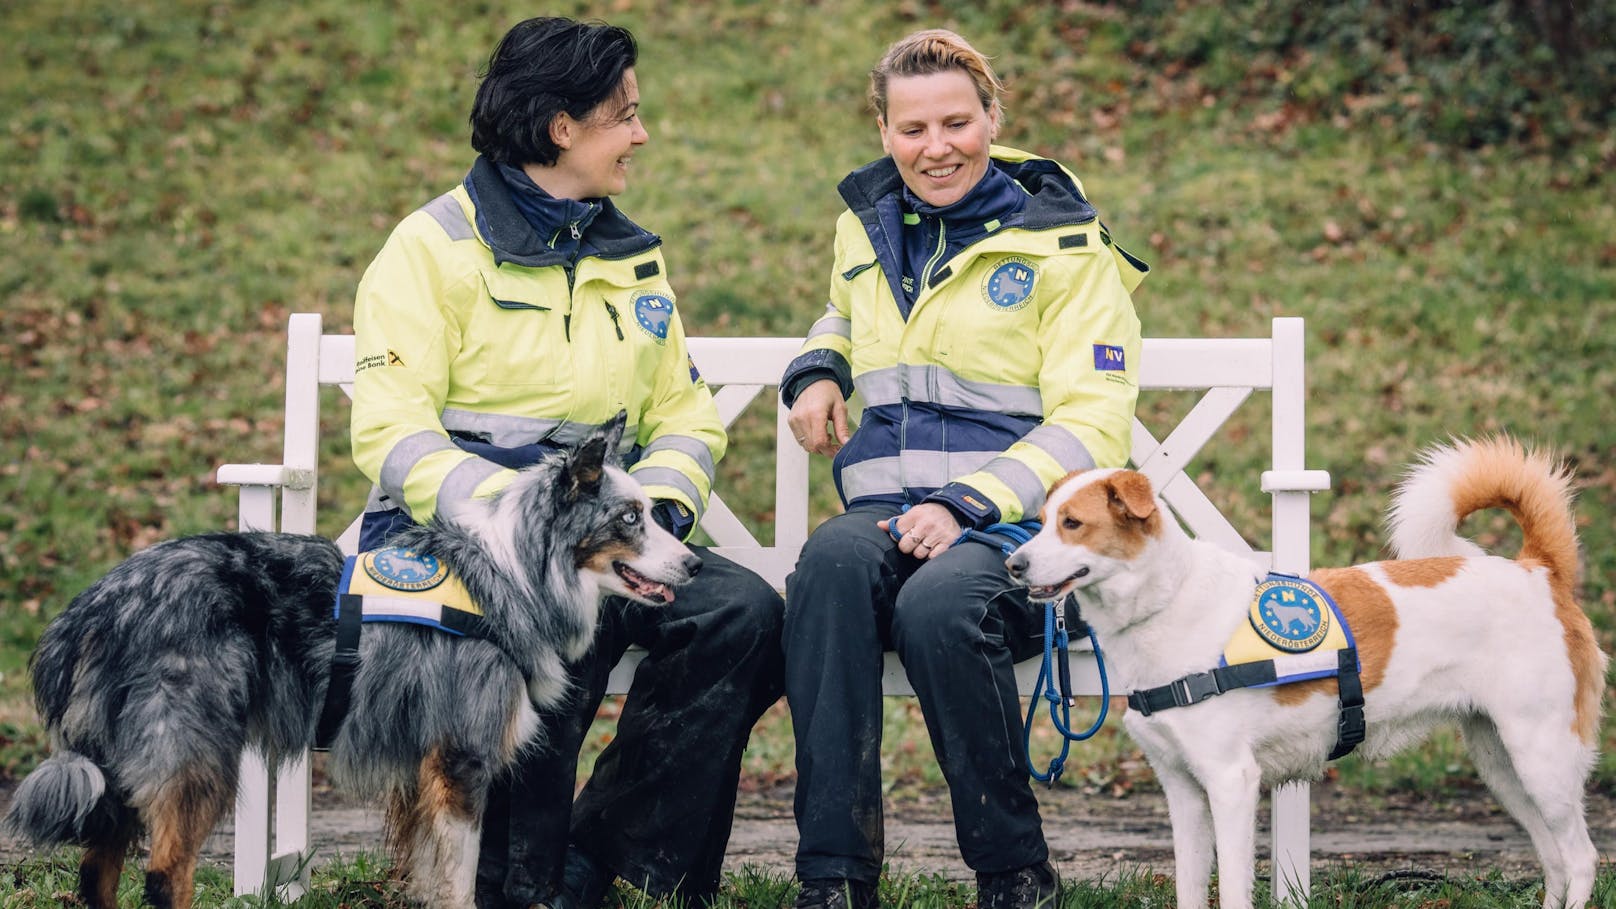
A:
[(176, 178), (363, 883)]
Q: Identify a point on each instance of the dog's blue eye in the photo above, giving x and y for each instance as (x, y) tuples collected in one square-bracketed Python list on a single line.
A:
[(631, 517)]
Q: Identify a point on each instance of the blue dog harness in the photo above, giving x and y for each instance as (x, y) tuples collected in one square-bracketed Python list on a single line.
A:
[(1294, 632), (393, 584)]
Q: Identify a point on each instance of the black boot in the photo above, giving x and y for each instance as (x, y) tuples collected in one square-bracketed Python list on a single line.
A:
[(1033, 887), (836, 893)]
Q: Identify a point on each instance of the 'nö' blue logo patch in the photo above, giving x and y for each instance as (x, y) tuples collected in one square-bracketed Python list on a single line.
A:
[(1286, 613), (652, 312), (1010, 285), (404, 569)]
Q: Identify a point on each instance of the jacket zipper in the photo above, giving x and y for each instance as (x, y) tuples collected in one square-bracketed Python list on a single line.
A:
[(616, 325)]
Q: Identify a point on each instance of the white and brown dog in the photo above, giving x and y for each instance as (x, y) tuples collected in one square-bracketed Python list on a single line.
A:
[(1444, 632)]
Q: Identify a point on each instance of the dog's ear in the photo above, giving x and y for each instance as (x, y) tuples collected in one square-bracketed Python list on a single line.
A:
[(613, 431), (588, 461), (585, 466), (1132, 495)]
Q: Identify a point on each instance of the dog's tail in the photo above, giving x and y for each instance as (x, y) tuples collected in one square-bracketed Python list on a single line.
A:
[(1451, 482), (63, 801)]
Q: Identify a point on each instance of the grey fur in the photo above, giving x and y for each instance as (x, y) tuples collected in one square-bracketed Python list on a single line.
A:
[(154, 680)]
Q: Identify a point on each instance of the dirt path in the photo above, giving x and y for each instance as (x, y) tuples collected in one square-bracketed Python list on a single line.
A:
[(1089, 836)]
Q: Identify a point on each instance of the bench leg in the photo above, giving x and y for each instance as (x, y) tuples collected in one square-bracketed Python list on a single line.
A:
[(1292, 874), (272, 828)]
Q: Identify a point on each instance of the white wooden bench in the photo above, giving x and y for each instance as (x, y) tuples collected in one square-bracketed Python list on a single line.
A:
[(272, 845)]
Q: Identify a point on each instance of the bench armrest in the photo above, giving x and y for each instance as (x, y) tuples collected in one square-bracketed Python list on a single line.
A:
[(1295, 480), (278, 475)]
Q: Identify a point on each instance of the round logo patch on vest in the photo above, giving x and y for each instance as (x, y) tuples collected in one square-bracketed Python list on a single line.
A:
[(1009, 286), (652, 312), (404, 569), (1286, 614)]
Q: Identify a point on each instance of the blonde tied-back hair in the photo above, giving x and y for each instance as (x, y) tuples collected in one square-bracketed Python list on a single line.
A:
[(934, 50)]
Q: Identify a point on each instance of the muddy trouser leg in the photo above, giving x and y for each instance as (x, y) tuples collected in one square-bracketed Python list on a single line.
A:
[(524, 838), (838, 606), (956, 624), (658, 809)]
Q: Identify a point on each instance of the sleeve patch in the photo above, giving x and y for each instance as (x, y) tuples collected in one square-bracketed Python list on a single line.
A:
[(1109, 358)]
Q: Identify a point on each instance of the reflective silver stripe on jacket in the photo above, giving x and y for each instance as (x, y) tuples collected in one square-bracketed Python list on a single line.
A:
[(938, 385), (403, 456), (449, 215), (667, 476), (1061, 444), (913, 469), (689, 446), (462, 481), (507, 431), (1023, 483), (918, 469), (832, 323)]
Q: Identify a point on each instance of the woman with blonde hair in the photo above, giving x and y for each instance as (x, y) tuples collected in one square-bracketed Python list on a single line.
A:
[(983, 315)]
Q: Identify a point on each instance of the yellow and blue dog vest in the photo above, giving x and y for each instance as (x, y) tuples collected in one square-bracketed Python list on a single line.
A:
[(1294, 632), (402, 585), (390, 585)]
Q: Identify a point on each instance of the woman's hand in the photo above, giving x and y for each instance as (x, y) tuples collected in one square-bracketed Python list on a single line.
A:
[(924, 530), (819, 418)]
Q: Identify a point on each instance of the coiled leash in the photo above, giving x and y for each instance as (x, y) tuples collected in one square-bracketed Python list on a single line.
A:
[(1008, 538), (1060, 702)]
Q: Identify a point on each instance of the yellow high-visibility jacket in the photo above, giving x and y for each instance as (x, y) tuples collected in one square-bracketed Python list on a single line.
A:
[(1017, 363), (478, 348)]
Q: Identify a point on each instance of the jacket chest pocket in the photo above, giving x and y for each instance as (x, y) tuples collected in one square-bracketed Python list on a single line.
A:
[(518, 335), (518, 347)]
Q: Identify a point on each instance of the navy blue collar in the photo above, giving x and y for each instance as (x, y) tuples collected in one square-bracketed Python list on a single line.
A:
[(995, 197), (560, 223), (512, 238)]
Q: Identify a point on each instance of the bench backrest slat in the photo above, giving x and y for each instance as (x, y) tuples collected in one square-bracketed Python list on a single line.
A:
[(1228, 370)]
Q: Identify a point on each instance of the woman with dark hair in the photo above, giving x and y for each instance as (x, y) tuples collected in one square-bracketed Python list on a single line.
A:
[(983, 315), (510, 317)]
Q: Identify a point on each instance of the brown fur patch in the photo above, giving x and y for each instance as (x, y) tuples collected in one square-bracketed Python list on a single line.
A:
[(599, 556), (411, 816), (99, 869), (1373, 619), (1422, 572), (1100, 518), (440, 793), (1587, 665), (180, 817)]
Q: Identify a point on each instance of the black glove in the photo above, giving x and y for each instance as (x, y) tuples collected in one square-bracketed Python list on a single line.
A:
[(673, 517)]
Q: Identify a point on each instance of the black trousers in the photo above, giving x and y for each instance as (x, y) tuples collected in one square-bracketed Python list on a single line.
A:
[(959, 626), (658, 808)]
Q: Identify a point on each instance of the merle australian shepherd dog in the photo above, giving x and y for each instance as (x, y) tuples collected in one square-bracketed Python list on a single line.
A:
[(154, 680)]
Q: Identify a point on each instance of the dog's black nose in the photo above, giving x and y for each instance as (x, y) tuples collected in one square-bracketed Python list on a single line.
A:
[(1016, 565), (692, 563)]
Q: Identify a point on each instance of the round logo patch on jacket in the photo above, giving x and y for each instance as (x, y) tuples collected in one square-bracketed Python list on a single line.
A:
[(1009, 286), (652, 312), (1286, 614), (403, 569)]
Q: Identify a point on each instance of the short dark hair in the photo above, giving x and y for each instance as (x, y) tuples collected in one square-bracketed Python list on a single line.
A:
[(541, 68)]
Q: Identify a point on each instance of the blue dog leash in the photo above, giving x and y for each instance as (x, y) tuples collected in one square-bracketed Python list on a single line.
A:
[(1060, 702), (1007, 538)]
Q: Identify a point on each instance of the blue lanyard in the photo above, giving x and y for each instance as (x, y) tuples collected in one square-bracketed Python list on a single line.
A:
[(1060, 702), (1007, 538)]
